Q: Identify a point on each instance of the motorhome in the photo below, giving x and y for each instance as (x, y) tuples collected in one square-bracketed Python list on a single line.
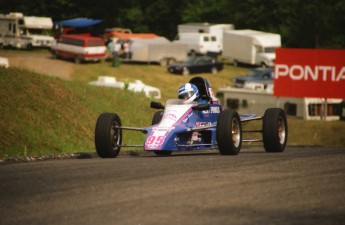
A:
[(250, 47), (213, 29), (256, 100), (19, 31)]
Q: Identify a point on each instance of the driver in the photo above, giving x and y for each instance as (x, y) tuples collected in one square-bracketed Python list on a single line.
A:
[(189, 92)]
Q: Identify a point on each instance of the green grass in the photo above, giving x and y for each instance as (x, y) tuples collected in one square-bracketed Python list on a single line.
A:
[(44, 115)]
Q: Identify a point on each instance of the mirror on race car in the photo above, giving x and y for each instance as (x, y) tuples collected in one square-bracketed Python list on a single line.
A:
[(157, 105)]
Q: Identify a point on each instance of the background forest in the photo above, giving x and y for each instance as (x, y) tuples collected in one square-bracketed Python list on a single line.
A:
[(301, 23)]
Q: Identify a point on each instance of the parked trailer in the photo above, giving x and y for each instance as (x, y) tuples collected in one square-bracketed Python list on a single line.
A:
[(156, 50), (213, 29), (250, 47), (256, 101), (200, 43), (19, 31)]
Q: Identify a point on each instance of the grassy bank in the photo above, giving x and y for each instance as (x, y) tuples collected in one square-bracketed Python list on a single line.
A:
[(46, 115)]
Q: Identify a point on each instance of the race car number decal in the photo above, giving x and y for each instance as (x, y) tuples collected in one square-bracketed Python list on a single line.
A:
[(156, 140)]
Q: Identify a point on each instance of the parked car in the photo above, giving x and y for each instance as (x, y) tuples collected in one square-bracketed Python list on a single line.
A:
[(257, 75), (196, 64), (79, 48)]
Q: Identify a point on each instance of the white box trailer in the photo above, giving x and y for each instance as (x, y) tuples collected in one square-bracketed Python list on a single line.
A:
[(19, 31), (214, 29), (200, 43), (250, 47), (256, 102), (157, 50)]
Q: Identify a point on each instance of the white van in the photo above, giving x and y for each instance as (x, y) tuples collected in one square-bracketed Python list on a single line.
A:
[(201, 43)]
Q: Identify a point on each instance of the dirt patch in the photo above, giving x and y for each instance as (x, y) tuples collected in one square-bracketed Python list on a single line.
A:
[(40, 63)]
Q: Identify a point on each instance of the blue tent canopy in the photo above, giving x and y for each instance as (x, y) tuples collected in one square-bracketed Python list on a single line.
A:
[(78, 22)]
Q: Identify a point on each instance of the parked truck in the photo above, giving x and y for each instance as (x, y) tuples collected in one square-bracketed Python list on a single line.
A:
[(155, 50), (19, 31), (208, 28), (250, 47)]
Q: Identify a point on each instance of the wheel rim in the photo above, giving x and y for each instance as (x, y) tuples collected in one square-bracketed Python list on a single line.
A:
[(281, 130), (214, 70), (235, 132), (115, 136)]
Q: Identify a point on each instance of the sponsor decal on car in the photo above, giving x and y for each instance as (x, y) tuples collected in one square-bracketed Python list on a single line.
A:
[(187, 118), (170, 115), (215, 110), (202, 124)]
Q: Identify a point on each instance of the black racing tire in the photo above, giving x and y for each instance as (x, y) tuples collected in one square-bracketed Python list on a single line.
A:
[(108, 138), (157, 117), (274, 130), (229, 132)]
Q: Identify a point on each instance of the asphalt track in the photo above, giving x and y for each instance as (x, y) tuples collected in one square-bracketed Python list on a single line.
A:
[(298, 186)]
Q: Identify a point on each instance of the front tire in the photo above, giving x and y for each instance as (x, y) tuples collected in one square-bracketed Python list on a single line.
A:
[(274, 130), (229, 132), (108, 137)]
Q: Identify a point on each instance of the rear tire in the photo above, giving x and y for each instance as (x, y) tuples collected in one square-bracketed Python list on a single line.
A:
[(108, 138), (274, 130), (164, 62), (229, 132)]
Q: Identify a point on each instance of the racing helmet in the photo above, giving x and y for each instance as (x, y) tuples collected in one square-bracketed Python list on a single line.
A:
[(189, 92)]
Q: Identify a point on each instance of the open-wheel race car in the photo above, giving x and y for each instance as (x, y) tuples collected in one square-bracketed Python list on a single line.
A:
[(181, 126)]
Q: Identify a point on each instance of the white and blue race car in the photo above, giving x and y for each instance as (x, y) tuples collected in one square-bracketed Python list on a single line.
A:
[(180, 126)]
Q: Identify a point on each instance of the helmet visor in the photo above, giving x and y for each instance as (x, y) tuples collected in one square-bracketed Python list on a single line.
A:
[(186, 95)]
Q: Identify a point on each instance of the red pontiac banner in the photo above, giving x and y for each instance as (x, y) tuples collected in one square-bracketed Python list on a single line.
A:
[(318, 73)]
